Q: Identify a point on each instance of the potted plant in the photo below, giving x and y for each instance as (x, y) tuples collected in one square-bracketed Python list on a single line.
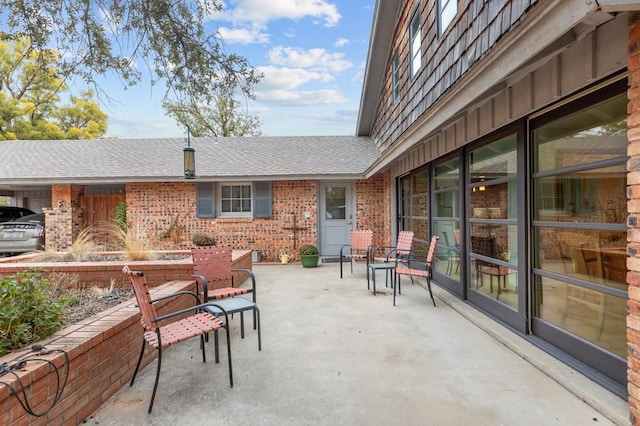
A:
[(309, 256)]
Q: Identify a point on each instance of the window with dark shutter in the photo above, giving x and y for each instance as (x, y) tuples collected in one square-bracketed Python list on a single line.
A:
[(205, 199), (262, 199)]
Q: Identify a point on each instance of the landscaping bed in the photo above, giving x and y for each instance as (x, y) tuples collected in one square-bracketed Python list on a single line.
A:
[(102, 347)]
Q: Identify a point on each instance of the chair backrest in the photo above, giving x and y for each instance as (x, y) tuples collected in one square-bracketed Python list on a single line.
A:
[(361, 240), (141, 290), (456, 236), (215, 263), (485, 246), (432, 250), (405, 241)]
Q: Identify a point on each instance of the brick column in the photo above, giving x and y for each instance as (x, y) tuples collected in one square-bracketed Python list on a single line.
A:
[(633, 207), (64, 218)]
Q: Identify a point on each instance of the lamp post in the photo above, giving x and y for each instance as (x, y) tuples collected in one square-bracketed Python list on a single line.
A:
[(189, 158)]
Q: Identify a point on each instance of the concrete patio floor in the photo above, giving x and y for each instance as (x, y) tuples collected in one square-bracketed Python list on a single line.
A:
[(335, 354)]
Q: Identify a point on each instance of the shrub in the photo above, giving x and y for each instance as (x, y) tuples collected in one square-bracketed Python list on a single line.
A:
[(134, 241), (31, 309), (120, 216), (308, 250), (202, 239), (84, 246)]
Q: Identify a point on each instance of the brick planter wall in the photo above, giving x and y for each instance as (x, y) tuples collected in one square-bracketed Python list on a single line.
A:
[(103, 351), (100, 274)]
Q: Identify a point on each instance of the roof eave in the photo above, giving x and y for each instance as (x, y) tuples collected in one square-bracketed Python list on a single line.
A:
[(384, 21)]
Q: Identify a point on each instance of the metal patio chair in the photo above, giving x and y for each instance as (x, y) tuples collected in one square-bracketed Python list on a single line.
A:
[(160, 333), (391, 254), (213, 268), (417, 268), (359, 248), (488, 247)]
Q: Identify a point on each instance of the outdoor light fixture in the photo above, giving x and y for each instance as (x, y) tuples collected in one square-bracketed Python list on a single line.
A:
[(189, 158)]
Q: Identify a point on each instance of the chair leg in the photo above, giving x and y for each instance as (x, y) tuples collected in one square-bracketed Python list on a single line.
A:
[(204, 355), (135, 372), (241, 324), (229, 355), (254, 317), (155, 386), (397, 283), (367, 267), (256, 312), (429, 287), (216, 347), (373, 280), (340, 264)]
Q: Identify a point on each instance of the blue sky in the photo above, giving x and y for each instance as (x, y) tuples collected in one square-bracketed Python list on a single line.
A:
[(312, 54)]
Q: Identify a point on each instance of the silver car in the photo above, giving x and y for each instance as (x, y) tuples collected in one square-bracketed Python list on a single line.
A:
[(22, 235)]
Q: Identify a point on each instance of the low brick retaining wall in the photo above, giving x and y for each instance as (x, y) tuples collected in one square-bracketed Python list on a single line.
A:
[(101, 274), (103, 351)]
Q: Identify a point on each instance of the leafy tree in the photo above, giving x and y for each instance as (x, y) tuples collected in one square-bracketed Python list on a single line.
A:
[(82, 118), (30, 98), (107, 37), (225, 117)]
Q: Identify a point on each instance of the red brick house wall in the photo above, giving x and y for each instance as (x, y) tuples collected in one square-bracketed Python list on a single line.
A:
[(633, 207), (155, 206), (373, 207)]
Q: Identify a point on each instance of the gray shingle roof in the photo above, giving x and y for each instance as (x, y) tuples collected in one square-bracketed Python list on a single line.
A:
[(130, 160)]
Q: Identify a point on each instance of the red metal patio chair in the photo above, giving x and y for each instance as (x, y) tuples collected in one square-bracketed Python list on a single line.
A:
[(401, 250), (359, 248), (413, 268), (199, 323), (392, 254), (213, 267)]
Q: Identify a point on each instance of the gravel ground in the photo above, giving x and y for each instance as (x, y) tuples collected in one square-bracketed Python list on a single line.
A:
[(88, 302)]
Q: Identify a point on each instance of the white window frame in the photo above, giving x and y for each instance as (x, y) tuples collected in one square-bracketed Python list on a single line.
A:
[(415, 44), (447, 10), (395, 77), (221, 197)]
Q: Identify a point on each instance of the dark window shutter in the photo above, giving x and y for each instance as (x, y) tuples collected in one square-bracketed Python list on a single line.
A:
[(205, 199), (262, 199)]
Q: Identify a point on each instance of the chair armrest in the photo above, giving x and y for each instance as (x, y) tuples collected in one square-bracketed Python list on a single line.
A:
[(389, 251), (407, 260), (203, 280), (178, 293), (186, 310), (253, 281), (342, 248)]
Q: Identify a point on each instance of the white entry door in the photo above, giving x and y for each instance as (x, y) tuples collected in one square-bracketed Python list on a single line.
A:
[(336, 217)]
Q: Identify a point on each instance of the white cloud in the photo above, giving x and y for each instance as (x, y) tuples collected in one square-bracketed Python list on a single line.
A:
[(246, 35), (287, 78), (133, 127), (301, 97), (338, 116), (341, 42), (263, 11), (358, 77), (317, 59)]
